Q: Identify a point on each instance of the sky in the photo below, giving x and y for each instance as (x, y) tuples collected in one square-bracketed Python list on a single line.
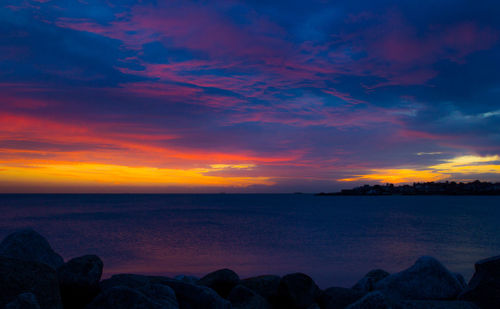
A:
[(246, 96)]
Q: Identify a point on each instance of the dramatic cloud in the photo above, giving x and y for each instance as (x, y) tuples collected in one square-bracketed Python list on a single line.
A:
[(247, 96)]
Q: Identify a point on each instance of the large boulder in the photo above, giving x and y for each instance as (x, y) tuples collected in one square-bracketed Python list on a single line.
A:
[(338, 298), (484, 287), (188, 296), (79, 280), (297, 291), (367, 283), (191, 296), (374, 300), (266, 286), (154, 292), (436, 304), (24, 301), (222, 281), (187, 278), (28, 245), (427, 279), (242, 297), (122, 297), (18, 276)]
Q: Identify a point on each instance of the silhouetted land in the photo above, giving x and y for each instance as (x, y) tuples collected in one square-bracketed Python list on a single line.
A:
[(426, 188)]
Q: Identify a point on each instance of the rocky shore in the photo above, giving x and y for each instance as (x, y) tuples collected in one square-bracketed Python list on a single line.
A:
[(33, 276)]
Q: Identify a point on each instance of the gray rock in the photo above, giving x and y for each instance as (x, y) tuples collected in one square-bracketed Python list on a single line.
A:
[(28, 245), (18, 276), (374, 300), (24, 301), (242, 297), (338, 298), (484, 287), (155, 292), (188, 279), (367, 283), (266, 286), (79, 280), (297, 291), (436, 304), (122, 297), (427, 279), (222, 281)]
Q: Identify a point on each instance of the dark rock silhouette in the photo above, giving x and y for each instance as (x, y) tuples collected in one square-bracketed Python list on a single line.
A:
[(338, 298), (484, 287), (436, 304), (426, 279), (79, 280), (28, 245), (373, 300), (222, 281), (297, 291), (20, 276), (242, 297), (266, 286), (122, 297), (24, 301), (367, 283), (156, 293), (187, 279)]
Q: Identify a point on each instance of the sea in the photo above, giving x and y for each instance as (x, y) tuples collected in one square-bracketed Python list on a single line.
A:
[(333, 239)]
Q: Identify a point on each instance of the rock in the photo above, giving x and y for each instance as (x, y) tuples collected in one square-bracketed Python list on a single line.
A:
[(374, 300), (122, 297), (242, 297), (266, 286), (338, 298), (17, 276), (484, 287), (297, 291), (367, 283), (314, 306), (24, 301), (188, 279), (191, 296), (427, 279), (28, 245), (188, 296), (222, 281), (436, 304), (155, 292), (128, 280), (461, 280), (79, 280)]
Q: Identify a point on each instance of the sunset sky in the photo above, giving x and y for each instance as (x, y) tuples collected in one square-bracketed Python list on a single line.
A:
[(246, 96)]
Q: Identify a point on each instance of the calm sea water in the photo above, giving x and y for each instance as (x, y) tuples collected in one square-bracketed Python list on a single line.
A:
[(333, 239)]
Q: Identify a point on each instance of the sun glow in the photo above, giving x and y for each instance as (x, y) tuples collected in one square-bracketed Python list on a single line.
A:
[(118, 175), (463, 165)]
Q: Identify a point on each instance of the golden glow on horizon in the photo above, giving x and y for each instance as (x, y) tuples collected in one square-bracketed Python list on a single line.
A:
[(397, 176), (463, 165), (117, 175)]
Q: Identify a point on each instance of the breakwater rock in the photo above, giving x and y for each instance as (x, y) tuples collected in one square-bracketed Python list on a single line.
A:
[(33, 276)]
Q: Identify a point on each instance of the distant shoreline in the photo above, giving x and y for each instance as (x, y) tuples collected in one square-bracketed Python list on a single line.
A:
[(475, 188)]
